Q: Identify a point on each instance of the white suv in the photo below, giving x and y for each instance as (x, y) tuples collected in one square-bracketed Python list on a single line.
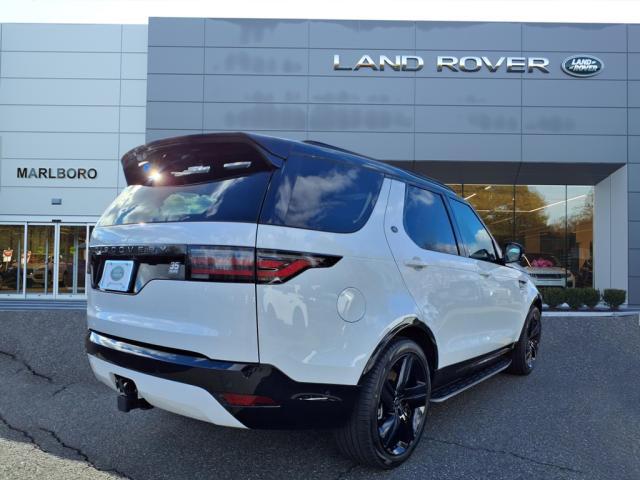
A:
[(256, 282)]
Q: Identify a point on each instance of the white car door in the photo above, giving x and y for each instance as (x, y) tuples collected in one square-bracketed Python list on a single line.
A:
[(444, 284), (504, 288)]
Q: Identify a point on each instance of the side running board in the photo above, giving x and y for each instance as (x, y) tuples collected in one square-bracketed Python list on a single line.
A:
[(451, 390)]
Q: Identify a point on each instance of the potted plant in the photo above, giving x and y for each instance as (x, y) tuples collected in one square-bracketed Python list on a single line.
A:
[(614, 297), (575, 298), (590, 297), (553, 297)]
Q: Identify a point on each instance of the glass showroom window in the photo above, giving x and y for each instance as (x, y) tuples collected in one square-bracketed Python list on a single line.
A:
[(12, 245), (456, 187), (494, 204), (553, 222), (40, 259), (541, 226), (72, 263), (580, 234)]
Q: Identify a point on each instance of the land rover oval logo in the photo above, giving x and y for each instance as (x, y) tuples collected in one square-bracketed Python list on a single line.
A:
[(582, 65), (117, 273)]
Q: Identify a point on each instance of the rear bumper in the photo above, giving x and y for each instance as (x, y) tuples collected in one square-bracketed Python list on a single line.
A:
[(191, 385)]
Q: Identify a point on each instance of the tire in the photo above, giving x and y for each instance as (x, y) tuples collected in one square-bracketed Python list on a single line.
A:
[(387, 422), (525, 353)]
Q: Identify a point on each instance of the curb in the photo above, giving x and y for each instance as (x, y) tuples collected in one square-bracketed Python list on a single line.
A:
[(604, 313)]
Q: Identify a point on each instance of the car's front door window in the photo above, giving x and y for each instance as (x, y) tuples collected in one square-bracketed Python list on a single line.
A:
[(474, 235)]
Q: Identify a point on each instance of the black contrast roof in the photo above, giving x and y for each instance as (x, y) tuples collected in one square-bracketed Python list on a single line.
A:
[(283, 148)]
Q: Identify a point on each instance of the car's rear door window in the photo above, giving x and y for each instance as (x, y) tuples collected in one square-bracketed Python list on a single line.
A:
[(427, 222), (323, 194)]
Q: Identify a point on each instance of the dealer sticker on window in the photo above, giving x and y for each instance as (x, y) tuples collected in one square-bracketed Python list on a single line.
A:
[(116, 275)]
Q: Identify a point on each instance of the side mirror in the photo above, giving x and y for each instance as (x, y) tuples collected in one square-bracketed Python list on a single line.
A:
[(513, 252)]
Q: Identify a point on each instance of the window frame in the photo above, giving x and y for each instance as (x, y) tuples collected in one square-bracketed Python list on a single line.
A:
[(496, 251), (447, 209)]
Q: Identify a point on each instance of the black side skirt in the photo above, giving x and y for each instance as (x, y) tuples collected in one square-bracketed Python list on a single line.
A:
[(447, 376)]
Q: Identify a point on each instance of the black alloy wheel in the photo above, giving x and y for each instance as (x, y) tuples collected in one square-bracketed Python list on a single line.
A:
[(390, 413), (403, 404), (533, 339), (526, 350)]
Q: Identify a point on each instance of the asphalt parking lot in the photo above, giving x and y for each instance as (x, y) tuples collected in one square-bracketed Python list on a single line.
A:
[(577, 416)]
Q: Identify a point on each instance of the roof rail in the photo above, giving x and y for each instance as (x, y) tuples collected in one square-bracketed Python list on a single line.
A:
[(433, 180), (351, 152), (333, 147)]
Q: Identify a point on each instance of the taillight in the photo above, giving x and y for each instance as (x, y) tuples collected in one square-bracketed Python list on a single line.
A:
[(244, 264), (221, 264), (275, 266)]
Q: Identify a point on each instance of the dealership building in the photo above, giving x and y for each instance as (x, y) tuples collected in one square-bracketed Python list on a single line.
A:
[(537, 125)]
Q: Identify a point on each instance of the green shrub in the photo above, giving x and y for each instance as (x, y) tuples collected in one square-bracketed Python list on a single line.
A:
[(553, 297), (575, 297), (590, 297), (614, 297)]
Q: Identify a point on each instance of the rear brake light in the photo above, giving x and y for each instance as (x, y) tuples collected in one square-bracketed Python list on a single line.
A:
[(246, 265), (274, 266)]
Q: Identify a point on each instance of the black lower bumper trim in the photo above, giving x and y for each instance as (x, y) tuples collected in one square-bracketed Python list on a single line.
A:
[(300, 405)]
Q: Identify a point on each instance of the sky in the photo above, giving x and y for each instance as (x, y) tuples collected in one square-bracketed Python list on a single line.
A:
[(138, 11)]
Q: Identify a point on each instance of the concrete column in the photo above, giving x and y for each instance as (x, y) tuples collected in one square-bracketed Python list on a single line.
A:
[(610, 232)]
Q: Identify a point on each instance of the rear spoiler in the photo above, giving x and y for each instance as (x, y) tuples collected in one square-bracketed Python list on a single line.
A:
[(141, 163)]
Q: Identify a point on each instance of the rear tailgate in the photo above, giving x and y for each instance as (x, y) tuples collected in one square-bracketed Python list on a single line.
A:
[(185, 228)]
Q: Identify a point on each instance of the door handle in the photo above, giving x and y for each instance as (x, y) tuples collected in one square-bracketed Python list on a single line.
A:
[(485, 274), (416, 263)]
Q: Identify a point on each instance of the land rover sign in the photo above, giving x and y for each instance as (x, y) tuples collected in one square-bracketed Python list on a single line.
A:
[(582, 65)]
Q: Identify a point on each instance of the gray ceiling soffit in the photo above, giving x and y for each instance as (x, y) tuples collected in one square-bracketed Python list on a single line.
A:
[(513, 172)]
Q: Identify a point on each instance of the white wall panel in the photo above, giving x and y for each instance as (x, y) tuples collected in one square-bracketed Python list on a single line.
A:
[(134, 66), (52, 37), (58, 145), (58, 118), (132, 119), (25, 201), (133, 93), (61, 65), (55, 91), (134, 38)]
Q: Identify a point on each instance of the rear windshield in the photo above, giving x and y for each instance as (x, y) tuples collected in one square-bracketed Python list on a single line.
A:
[(191, 182), (230, 200), (322, 194)]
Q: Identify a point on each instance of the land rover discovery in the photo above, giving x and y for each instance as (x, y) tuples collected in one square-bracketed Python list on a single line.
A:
[(256, 282)]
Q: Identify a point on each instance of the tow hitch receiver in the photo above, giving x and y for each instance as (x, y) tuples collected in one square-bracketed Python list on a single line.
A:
[(128, 399)]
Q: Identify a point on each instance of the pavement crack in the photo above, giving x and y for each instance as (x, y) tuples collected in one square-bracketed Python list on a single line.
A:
[(506, 452), (78, 451), (62, 389), (24, 433), (26, 365), (84, 456)]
